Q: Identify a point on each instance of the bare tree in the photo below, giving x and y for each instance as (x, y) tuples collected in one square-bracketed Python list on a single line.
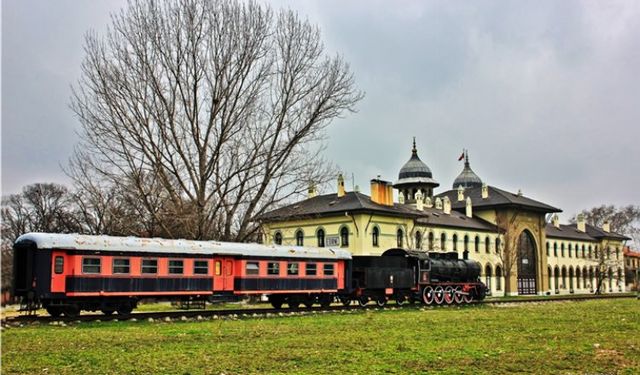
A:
[(223, 105), (624, 220), (508, 251), (607, 266)]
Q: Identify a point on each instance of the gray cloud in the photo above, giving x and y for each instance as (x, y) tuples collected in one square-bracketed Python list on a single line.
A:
[(544, 95)]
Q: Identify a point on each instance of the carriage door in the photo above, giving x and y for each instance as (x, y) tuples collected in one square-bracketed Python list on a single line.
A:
[(222, 274), (228, 274), (58, 274), (527, 277)]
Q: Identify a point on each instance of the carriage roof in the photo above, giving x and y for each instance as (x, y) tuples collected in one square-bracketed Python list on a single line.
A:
[(177, 246)]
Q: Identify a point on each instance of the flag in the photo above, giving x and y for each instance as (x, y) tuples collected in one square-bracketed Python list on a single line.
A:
[(461, 156)]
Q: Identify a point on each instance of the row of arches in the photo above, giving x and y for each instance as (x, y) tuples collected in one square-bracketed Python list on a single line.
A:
[(442, 244), (563, 278), (320, 236)]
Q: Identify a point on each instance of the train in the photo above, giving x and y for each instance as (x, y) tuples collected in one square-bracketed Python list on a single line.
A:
[(69, 273)]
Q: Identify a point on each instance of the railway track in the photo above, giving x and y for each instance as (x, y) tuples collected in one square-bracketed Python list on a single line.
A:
[(177, 315)]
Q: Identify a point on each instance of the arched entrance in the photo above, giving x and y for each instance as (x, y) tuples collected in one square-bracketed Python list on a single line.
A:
[(527, 261)]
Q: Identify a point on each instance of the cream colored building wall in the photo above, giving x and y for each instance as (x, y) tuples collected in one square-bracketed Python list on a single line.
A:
[(573, 262)]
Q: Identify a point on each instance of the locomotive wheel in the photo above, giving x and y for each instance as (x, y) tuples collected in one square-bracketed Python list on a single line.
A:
[(363, 300), (449, 295), (468, 298), (345, 300), (401, 299), (293, 303), (107, 311), (427, 295), (459, 297), (72, 311), (54, 311), (438, 297), (381, 301), (308, 302)]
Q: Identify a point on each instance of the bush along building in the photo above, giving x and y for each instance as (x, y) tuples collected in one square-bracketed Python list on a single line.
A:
[(520, 253)]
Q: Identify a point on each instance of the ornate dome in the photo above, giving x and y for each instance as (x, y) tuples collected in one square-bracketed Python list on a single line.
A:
[(415, 176), (467, 178)]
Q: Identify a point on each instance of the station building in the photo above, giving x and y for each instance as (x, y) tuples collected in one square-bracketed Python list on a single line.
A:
[(520, 252)]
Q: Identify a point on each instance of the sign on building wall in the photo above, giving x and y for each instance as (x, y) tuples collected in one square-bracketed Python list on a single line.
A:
[(332, 241)]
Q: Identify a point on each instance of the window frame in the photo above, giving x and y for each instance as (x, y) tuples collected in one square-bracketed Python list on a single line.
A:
[(328, 266), (200, 268), (293, 267), (169, 266), (99, 265), (142, 266), (250, 271), (58, 269), (375, 237), (273, 268), (310, 266), (113, 265), (299, 237)]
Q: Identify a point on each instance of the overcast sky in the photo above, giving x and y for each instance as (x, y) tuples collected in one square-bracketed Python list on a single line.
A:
[(545, 95)]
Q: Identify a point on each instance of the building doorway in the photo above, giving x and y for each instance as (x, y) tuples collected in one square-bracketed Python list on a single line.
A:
[(527, 261)]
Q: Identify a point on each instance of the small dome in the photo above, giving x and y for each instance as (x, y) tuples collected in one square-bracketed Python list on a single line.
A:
[(467, 178), (415, 171)]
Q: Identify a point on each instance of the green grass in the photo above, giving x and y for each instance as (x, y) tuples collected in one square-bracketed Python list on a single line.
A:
[(564, 337)]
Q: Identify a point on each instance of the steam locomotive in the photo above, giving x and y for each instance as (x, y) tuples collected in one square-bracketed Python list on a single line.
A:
[(68, 273)]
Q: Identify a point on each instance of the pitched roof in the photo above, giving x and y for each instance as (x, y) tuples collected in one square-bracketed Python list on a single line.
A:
[(355, 202), (497, 198), (570, 231)]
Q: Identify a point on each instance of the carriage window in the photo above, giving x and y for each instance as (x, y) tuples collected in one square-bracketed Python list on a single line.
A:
[(176, 266), (252, 268), (328, 269), (311, 269), (218, 268), (90, 265), (200, 267), (273, 268), (120, 265), (59, 265), (292, 269), (149, 266)]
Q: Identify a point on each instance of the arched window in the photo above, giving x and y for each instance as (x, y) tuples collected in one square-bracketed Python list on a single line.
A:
[(487, 247), (498, 278), (400, 237), (569, 250), (299, 237), (585, 278), (584, 253), (548, 249), (564, 277), (497, 245), (562, 249), (344, 237), (487, 277), (418, 240), (443, 241), (466, 243), (555, 249), (550, 276), (596, 252), (375, 234), (455, 242), (320, 236), (570, 278), (477, 244), (277, 238), (617, 253), (556, 279), (590, 255), (578, 278), (430, 239)]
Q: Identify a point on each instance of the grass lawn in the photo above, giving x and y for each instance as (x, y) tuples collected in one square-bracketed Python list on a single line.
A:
[(561, 338)]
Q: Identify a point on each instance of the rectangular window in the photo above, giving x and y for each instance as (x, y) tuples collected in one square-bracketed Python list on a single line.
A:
[(120, 265), (292, 269), (200, 267), (312, 269), (59, 265), (149, 266), (218, 268), (273, 268), (91, 265), (176, 266), (328, 269), (252, 268)]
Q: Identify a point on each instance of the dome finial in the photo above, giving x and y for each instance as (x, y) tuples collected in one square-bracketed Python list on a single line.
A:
[(466, 158), (414, 150)]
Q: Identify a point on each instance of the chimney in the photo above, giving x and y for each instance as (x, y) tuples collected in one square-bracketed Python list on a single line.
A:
[(381, 192), (460, 193), (341, 191), (447, 205), (485, 191), (312, 192), (428, 202), (438, 203), (581, 223), (356, 188), (469, 208), (519, 192), (419, 202), (555, 220), (606, 226), (401, 197)]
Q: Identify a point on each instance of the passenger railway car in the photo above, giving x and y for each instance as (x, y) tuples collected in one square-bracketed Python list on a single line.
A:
[(67, 273)]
